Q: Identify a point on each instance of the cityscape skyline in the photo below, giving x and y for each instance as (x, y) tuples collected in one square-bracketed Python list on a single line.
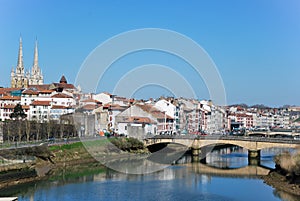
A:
[(255, 45)]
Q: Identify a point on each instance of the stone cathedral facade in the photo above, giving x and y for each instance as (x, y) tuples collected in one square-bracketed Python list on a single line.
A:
[(22, 79)]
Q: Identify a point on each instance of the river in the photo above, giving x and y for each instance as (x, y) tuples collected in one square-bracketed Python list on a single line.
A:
[(226, 176)]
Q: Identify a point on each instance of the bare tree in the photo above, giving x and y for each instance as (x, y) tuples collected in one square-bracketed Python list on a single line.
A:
[(27, 129)]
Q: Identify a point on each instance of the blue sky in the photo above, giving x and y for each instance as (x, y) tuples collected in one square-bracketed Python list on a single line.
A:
[(255, 44)]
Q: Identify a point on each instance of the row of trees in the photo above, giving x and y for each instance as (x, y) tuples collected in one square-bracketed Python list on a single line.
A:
[(24, 130), (18, 128)]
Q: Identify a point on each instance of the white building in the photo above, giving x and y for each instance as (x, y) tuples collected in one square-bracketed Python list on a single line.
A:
[(40, 111), (104, 97), (169, 109), (57, 110), (137, 127), (163, 121)]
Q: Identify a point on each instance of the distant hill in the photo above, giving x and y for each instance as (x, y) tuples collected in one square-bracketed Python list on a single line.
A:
[(260, 106), (243, 105)]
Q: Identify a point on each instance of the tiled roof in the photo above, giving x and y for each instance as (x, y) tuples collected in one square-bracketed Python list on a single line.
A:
[(30, 92), (41, 103), (46, 91), (243, 115), (59, 107), (25, 107), (89, 107), (61, 95), (154, 111), (8, 106), (40, 87), (8, 90), (135, 119), (10, 98), (90, 100), (114, 107)]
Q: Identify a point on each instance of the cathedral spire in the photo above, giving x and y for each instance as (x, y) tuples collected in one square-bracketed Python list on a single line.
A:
[(20, 66), (36, 77), (35, 61)]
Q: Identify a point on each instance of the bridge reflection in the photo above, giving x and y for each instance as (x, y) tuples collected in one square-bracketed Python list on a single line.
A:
[(246, 171)]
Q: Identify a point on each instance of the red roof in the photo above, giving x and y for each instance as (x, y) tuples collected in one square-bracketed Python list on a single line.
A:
[(30, 92), (10, 98), (89, 107), (40, 87), (61, 95), (46, 91), (59, 107), (154, 111), (90, 101), (9, 106), (25, 107), (114, 106), (13, 106), (136, 119), (41, 103), (243, 115), (4, 91)]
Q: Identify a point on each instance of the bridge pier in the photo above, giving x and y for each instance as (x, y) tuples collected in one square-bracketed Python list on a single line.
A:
[(254, 157), (198, 155)]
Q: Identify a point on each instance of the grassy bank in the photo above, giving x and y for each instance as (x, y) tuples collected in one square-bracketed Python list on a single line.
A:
[(66, 156)]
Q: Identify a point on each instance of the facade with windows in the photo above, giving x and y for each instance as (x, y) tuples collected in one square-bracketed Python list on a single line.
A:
[(39, 111)]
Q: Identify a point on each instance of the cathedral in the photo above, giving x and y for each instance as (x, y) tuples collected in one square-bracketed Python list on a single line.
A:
[(22, 79)]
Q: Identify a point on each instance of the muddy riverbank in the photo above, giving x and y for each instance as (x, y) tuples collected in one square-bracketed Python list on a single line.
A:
[(281, 183)]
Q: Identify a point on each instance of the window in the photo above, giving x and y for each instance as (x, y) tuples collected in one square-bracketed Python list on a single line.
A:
[(125, 128)]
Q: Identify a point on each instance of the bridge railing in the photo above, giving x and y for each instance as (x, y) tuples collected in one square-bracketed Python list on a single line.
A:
[(224, 137)]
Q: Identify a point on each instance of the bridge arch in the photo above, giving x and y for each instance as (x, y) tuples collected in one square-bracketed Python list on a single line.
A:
[(247, 143)]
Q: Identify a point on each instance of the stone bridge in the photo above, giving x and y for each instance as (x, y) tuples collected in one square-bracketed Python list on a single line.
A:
[(274, 133), (252, 144)]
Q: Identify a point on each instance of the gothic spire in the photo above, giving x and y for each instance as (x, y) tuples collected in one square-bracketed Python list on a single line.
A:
[(35, 68), (36, 76), (35, 60), (20, 67)]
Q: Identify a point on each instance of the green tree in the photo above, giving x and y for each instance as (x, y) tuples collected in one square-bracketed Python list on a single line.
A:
[(18, 112)]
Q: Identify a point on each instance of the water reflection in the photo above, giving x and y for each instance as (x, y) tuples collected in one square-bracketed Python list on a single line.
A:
[(225, 176), (235, 157)]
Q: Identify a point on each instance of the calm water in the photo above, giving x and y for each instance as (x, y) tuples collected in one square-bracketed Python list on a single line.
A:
[(184, 181)]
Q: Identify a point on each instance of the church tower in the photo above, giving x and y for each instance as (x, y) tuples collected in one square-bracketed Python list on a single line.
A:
[(18, 77), (36, 77)]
